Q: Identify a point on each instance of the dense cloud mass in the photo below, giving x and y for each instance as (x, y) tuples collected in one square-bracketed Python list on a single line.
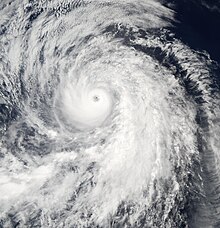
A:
[(107, 117)]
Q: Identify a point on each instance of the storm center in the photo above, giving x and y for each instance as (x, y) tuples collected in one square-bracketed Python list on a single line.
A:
[(96, 98)]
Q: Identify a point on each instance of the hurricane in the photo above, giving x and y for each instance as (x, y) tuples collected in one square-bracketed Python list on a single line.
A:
[(107, 118)]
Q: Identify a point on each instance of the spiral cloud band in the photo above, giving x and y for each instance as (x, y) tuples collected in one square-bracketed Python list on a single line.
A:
[(107, 118)]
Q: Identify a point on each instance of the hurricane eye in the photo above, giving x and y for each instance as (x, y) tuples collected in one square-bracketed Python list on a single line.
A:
[(96, 98)]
